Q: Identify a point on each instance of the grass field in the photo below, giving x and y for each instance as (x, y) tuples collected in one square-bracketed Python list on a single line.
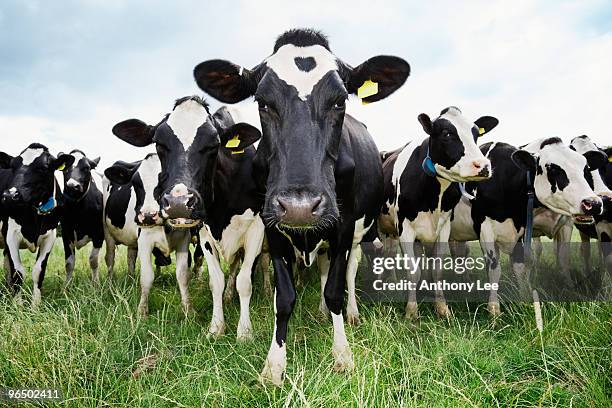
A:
[(90, 343)]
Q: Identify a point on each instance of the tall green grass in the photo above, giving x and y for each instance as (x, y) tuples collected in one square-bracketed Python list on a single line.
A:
[(89, 341)]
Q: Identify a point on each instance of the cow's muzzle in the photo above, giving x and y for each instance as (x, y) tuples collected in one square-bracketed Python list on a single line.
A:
[(181, 210), (11, 196), (302, 210)]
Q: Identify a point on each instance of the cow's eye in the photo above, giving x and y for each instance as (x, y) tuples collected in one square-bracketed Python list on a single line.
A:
[(264, 107), (340, 104)]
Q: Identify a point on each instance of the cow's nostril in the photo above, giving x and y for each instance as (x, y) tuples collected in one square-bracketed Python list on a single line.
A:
[(477, 165), (315, 204), (591, 206), (283, 205), (191, 202)]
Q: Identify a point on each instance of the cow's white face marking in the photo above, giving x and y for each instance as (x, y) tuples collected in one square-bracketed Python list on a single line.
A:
[(185, 120), (72, 183), (149, 172), (29, 155), (77, 157), (464, 169), (583, 145), (283, 63), (557, 157)]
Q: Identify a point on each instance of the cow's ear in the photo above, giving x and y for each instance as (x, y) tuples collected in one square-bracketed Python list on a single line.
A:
[(94, 163), (227, 82), (239, 136), (378, 77), (121, 173), (135, 132), (63, 160), (524, 160), (485, 124), (426, 123), (5, 160), (596, 159)]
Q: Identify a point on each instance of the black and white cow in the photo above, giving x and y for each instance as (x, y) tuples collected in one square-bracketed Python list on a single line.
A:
[(601, 229), (207, 175), (319, 168), (31, 197), (135, 183), (421, 188), (81, 218), (497, 216)]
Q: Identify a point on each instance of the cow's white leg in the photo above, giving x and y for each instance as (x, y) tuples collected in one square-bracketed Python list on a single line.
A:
[(38, 270), (132, 254), (491, 253), (216, 282), (323, 265), (182, 273), (352, 312), (109, 257), (407, 244), (252, 241), (230, 285), (439, 250), (145, 249), (94, 256), (276, 361), (13, 242)]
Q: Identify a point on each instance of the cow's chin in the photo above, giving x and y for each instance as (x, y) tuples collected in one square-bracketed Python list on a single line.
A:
[(182, 222)]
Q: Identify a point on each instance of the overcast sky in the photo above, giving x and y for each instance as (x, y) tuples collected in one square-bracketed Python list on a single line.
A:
[(69, 70)]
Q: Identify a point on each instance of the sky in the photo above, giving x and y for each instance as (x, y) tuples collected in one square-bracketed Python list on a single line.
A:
[(70, 70)]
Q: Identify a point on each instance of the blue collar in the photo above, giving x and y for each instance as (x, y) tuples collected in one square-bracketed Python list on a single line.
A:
[(428, 165), (48, 206)]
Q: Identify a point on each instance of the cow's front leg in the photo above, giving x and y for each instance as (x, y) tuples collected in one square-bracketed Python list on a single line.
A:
[(109, 257), (69, 254), (145, 249), (182, 272), (284, 301), (18, 270), (407, 245), (216, 281), (352, 312), (38, 270), (491, 253), (334, 298), (440, 249), (264, 266), (323, 265), (132, 254), (94, 257), (252, 248)]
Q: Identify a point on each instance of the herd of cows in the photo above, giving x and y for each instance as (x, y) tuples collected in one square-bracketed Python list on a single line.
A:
[(313, 189)]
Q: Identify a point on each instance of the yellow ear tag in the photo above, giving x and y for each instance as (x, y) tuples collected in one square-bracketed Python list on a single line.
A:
[(233, 142), (365, 102), (62, 167), (481, 131), (237, 151), (610, 159), (368, 88)]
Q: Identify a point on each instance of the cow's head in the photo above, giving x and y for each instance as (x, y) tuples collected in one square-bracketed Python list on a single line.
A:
[(143, 175), (33, 181), (561, 177), (187, 142), (599, 164), (301, 90), (453, 148), (77, 177)]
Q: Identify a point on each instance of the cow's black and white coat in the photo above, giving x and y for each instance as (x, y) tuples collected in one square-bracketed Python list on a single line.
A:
[(601, 229), (218, 189), (31, 200), (319, 168), (497, 215), (418, 205), (81, 219), (152, 237)]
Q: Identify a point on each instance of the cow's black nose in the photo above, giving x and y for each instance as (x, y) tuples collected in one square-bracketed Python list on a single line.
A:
[(484, 172), (299, 211), (591, 206)]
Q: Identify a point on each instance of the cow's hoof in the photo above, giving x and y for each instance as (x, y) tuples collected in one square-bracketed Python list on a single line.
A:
[(494, 309), (353, 319), (216, 330), (442, 310), (343, 359), (273, 373), (143, 310), (412, 311), (244, 333), (35, 299)]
